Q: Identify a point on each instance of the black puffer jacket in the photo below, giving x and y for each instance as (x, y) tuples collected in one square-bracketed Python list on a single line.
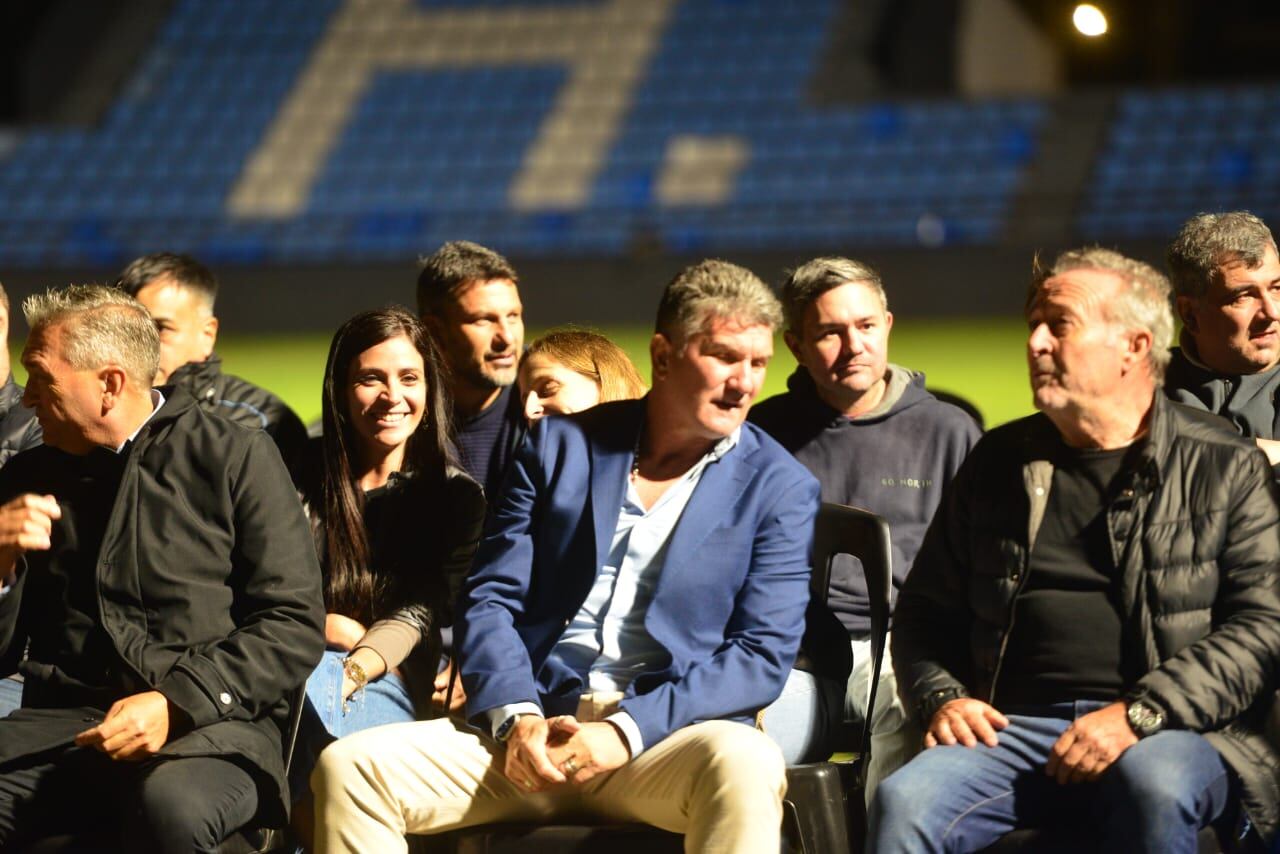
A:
[(19, 429), (1194, 529), (247, 404)]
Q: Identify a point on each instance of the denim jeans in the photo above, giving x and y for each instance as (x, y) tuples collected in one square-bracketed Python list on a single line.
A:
[(384, 701), (805, 720), (10, 695), (1155, 797)]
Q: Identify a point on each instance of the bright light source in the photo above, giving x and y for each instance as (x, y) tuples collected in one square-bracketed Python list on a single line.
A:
[(1089, 20)]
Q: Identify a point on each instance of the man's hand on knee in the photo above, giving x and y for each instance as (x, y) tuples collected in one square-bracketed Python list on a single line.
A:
[(135, 728), (582, 751), (527, 764), (966, 721), (1090, 745)]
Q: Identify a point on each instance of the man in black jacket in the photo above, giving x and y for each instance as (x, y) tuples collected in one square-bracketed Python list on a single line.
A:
[(179, 292), (18, 431), (1226, 276), (156, 563), (1090, 631)]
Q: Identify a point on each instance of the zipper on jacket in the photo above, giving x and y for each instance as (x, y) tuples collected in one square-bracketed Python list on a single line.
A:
[(1008, 627)]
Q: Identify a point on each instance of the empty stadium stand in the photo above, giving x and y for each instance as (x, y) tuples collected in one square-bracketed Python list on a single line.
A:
[(1170, 154), (318, 131)]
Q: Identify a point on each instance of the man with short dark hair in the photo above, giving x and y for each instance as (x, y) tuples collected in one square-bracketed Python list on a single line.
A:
[(1090, 631), (638, 599), (875, 438), (156, 565), (180, 292), (469, 299), (1226, 280)]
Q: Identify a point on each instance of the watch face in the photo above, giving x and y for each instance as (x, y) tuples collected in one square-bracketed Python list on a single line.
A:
[(1144, 719)]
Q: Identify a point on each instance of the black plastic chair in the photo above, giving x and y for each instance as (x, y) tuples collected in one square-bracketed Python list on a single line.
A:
[(816, 810), (824, 801), (250, 840)]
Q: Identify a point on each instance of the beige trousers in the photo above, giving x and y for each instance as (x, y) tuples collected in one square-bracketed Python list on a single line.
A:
[(719, 783)]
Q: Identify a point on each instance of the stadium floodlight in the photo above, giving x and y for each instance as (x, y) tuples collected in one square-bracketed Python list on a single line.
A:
[(1089, 20)]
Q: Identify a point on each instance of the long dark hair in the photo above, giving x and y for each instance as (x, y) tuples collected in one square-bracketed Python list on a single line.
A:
[(351, 588)]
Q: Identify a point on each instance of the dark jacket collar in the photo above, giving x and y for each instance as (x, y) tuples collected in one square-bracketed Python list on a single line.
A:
[(177, 401), (198, 378), (1145, 469)]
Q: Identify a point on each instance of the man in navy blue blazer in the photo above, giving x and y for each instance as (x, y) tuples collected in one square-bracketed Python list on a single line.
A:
[(638, 598)]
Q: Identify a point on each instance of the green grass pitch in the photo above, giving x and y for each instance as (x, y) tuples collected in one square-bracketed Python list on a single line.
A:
[(981, 359)]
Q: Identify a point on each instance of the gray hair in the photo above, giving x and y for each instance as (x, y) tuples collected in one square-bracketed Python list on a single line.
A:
[(100, 326), (1142, 303), (714, 289), (1207, 241), (814, 278)]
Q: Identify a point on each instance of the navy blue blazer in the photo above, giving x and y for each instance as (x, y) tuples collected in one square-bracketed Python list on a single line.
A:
[(729, 608)]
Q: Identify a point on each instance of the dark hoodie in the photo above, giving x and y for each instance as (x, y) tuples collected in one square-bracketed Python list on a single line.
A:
[(894, 461)]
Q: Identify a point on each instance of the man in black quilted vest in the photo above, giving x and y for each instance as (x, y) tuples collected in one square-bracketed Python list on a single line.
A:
[(1090, 631)]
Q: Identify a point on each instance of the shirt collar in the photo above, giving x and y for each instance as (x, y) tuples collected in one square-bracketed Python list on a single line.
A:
[(725, 445), (157, 401)]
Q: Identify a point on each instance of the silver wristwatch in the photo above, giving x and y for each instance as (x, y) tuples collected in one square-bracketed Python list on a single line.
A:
[(1143, 719)]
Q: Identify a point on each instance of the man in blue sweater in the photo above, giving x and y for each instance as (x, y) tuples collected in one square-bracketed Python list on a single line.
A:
[(876, 439)]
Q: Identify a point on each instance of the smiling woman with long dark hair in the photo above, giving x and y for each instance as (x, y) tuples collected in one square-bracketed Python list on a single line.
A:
[(396, 523)]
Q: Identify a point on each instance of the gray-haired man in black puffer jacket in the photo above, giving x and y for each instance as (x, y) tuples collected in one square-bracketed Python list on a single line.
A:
[(1089, 634)]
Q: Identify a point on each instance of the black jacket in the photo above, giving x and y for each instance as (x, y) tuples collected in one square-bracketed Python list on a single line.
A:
[(208, 591), (247, 404), (19, 429), (1194, 527), (423, 535)]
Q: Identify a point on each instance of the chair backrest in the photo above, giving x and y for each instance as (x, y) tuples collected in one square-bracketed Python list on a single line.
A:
[(864, 535)]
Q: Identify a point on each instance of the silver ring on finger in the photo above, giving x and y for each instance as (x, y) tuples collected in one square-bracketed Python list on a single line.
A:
[(571, 766)]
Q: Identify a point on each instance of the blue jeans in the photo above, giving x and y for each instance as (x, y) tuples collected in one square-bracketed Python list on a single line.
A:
[(1155, 797), (384, 701), (10, 695), (805, 720)]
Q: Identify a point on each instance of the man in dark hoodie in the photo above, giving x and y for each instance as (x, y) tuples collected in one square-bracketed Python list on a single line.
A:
[(179, 292), (1226, 277), (874, 438)]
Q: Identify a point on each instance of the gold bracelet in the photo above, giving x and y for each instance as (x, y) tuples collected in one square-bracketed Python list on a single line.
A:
[(354, 671)]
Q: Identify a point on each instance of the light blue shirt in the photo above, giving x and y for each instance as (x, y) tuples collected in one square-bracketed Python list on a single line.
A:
[(606, 642)]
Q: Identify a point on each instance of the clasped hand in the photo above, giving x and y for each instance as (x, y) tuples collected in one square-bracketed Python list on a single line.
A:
[(541, 753)]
